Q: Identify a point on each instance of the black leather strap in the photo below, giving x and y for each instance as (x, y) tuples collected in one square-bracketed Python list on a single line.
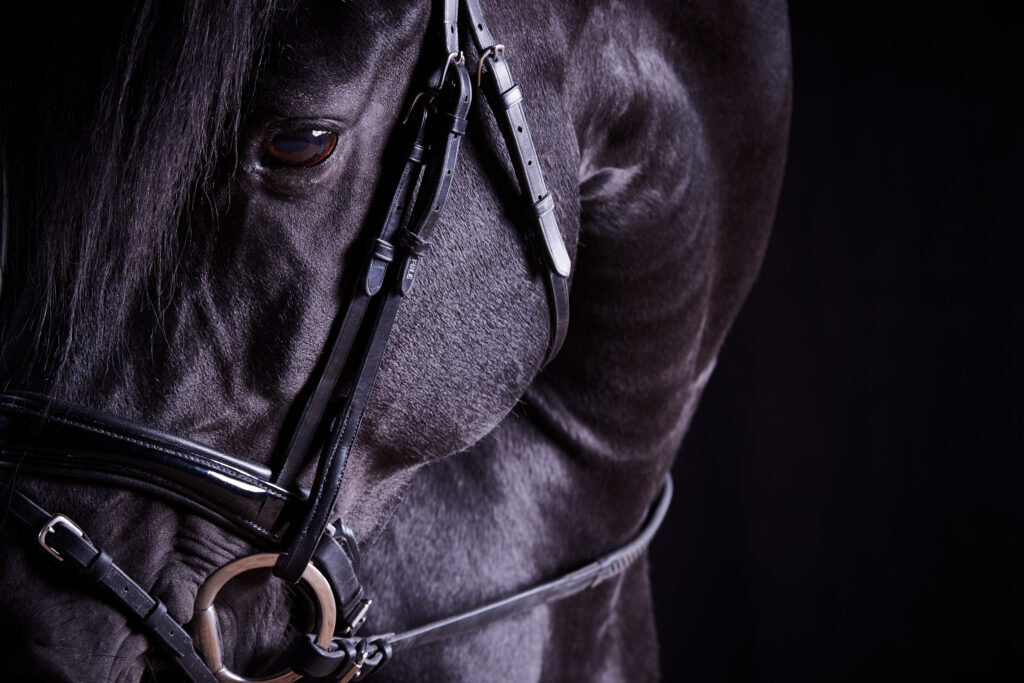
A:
[(591, 575), (506, 100), (447, 119), (450, 26), (43, 436), (450, 126), (311, 420), (337, 557), (62, 540), (379, 648), (558, 307)]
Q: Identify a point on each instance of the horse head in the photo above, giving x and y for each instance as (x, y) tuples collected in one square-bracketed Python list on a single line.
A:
[(190, 194)]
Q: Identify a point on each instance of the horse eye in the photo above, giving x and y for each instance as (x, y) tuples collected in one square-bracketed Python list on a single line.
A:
[(300, 147)]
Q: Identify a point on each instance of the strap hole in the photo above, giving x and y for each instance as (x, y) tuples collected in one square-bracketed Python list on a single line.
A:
[(480, 26), (453, 29), (530, 162), (520, 129)]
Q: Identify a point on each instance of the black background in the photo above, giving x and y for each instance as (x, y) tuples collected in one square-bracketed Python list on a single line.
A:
[(847, 497)]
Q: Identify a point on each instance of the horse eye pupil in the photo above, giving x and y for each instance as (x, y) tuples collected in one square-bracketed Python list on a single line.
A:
[(302, 147)]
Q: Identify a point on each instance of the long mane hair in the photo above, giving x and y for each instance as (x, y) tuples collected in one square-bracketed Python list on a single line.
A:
[(97, 193)]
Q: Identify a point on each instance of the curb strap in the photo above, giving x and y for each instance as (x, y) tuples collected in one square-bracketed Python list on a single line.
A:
[(68, 546), (506, 101)]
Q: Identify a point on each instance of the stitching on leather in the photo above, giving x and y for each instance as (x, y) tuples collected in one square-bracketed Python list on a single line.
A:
[(71, 422), (168, 485), (315, 507)]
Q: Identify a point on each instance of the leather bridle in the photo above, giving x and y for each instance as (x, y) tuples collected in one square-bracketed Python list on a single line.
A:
[(42, 436)]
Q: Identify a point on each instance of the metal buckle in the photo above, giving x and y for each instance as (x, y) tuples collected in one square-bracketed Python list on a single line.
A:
[(453, 58), (51, 526), (431, 93), (371, 663), (493, 51), (207, 635)]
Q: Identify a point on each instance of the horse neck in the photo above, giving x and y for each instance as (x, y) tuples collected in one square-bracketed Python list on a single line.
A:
[(510, 512)]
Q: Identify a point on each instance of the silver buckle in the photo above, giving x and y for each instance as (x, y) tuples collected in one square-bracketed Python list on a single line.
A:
[(51, 526), (356, 618)]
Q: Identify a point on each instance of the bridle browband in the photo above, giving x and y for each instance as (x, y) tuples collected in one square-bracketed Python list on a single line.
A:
[(46, 437)]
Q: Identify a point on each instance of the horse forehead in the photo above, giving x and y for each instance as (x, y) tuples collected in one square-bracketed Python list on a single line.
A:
[(325, 51)]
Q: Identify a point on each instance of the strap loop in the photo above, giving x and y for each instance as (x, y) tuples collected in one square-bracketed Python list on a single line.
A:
[(384, 250), (511, 97), (97, 569), (544, 205), (416, 153), (413, 243), (313, 661), (456, 125)]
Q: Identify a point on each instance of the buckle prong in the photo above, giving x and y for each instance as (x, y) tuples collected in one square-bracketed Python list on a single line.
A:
[(493, 51), (453, 58)]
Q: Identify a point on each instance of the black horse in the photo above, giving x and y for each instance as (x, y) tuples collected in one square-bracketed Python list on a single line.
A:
[(185, 194)]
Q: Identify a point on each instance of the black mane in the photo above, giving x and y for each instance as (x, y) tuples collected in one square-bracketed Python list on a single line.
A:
[(94, 194)]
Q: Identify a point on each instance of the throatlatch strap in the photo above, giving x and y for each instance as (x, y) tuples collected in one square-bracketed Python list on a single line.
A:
[(64, 541), (506, 101)]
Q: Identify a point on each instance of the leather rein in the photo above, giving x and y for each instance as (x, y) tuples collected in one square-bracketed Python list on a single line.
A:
[(42, 436)]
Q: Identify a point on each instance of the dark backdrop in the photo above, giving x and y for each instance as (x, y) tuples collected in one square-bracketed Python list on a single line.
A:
[(846, 503)]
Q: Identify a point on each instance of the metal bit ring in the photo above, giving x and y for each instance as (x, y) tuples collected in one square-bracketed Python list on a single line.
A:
[(207, 630)]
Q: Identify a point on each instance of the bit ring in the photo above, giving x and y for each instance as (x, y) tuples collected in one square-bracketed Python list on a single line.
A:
[(207, 630)]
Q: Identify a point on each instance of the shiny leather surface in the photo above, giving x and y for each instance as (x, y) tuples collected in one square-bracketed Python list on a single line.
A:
[(57, 439)]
